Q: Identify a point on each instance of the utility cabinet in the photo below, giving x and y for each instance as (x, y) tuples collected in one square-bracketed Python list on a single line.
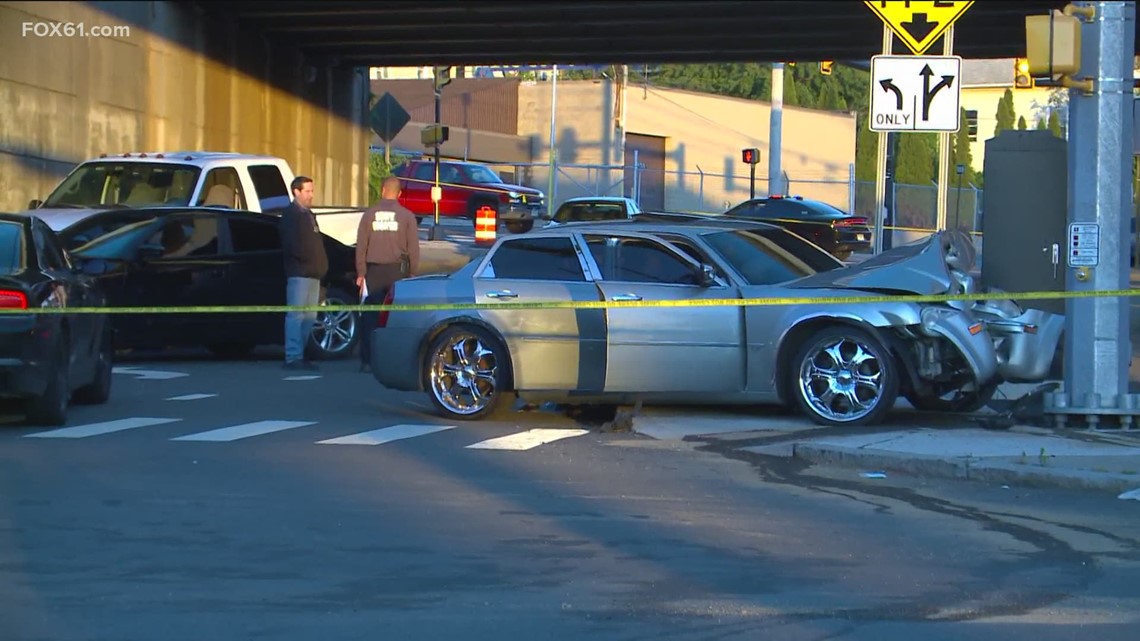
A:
[(1025, 214)]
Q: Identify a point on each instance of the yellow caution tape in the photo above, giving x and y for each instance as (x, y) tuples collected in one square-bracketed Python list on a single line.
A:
[(592, 304)]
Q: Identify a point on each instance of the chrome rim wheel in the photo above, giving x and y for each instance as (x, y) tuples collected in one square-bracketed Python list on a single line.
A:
[(334, 332), (464, 374), (842, 379)]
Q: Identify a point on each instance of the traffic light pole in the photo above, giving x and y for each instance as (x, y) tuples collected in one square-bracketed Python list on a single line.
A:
[(881, 165), (776, 131), (436, 231), (751, 181), (1097, 344)]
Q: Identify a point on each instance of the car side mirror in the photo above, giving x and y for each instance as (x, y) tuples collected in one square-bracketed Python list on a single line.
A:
[(707, 275), (35, 203), (547, 216)]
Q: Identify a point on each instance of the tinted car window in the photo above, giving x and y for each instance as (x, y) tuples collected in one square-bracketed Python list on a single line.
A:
[(186, 237), (253, 236), (643, 261), (11, 247), (575, 212), (272, 192), (766, 257), (425, 171), (50, 256), (537, 259)]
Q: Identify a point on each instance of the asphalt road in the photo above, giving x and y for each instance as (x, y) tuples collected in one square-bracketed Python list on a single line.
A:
[(166, 528)]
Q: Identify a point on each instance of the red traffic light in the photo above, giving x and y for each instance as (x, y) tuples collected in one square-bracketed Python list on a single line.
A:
[(750, 156)]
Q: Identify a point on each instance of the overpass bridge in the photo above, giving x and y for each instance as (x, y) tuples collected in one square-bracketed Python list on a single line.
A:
[(287, 78)]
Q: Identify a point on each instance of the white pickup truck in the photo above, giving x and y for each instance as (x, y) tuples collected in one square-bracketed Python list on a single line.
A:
[(182, 179)]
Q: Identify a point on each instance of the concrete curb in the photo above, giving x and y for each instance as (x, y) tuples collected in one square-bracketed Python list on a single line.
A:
[(970, 468)]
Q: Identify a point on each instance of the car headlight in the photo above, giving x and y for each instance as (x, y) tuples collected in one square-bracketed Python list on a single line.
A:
[(514, 195)]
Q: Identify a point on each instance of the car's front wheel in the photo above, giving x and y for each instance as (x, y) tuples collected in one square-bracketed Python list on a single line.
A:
[(466, 372), (843, 376)]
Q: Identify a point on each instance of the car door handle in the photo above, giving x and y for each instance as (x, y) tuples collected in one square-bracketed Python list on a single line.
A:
[(626, 297), (506, 293)]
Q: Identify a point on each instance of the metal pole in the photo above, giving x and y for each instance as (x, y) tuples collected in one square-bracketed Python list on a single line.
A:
[(553, 151), (751, 181), (1098, 346), (436, 232), (851, 187), (881, 165), (944, 148), (776, 130)]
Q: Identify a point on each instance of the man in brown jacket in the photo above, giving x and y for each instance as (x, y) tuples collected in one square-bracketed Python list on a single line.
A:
[(387, 249)]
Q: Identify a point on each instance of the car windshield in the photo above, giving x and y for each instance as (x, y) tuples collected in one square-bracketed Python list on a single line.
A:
[(127, 183), (770, 256), (481, 174), (11, 247), (117, 244)]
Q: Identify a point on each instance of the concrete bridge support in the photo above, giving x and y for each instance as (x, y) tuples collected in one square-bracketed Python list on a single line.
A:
[(153, 76)]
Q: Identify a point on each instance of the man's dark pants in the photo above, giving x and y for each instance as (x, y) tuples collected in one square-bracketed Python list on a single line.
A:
[(380, 278)]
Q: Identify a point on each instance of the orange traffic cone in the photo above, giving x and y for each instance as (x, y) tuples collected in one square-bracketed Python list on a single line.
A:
[(485, 225)]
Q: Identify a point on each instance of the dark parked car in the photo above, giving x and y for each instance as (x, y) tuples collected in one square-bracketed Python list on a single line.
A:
[(166, 257), (831, 228), (48, 360)]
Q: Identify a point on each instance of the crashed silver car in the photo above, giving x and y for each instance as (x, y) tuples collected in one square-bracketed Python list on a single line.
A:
[(841, 363)]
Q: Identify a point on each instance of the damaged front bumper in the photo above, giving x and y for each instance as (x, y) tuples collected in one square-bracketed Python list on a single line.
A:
[(966, 333), (1025, 341)]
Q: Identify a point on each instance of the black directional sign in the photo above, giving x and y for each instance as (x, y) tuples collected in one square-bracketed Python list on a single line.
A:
[(387, 117)]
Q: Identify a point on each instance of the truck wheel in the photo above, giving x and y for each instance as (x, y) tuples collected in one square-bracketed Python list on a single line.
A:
[(520, 226)]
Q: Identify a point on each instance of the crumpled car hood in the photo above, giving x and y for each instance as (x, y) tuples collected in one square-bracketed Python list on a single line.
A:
[(922, 268)]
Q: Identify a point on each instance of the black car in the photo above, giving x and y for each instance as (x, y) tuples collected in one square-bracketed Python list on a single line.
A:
[(200, 256), (49, 360), (831, 228)]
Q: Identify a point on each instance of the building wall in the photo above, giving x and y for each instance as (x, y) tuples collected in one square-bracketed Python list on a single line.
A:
[(704, 134), (171, 81)]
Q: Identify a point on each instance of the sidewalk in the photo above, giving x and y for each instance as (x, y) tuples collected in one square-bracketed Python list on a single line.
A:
[(915, 444)]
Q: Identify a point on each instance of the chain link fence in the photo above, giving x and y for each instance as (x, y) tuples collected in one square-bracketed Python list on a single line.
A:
[(915, 206)]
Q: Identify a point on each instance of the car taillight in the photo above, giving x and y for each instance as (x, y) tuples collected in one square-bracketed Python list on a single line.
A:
[(13, 299), (850, 222), (382, 319)]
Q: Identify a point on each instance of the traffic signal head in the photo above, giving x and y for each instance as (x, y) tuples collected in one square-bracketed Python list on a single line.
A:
[(825, 67), (750, 156), (1021, 77), (442, 77)]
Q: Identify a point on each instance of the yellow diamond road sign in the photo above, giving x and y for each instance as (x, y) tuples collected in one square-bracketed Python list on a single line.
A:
[(919, 24)]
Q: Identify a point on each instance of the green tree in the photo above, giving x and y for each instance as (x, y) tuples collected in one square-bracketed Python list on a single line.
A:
[(1006, 117), (1021, 125), (1055, 124), (914, 165), (866, 152), (1041, 126), (961, 154), (378, 170), (831, 100), (791, 95)]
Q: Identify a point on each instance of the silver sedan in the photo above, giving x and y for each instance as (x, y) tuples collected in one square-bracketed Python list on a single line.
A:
[(841, 363)]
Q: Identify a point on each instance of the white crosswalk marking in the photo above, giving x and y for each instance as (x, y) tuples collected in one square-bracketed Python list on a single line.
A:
[(247, 430), (386, 435), (95, 429), (191, 397), (526, 440)]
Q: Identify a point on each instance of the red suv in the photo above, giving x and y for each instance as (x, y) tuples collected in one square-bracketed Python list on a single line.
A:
[(466, 187)]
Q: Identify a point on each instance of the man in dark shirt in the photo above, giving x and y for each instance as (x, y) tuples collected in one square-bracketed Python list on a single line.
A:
[(305, 266)]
